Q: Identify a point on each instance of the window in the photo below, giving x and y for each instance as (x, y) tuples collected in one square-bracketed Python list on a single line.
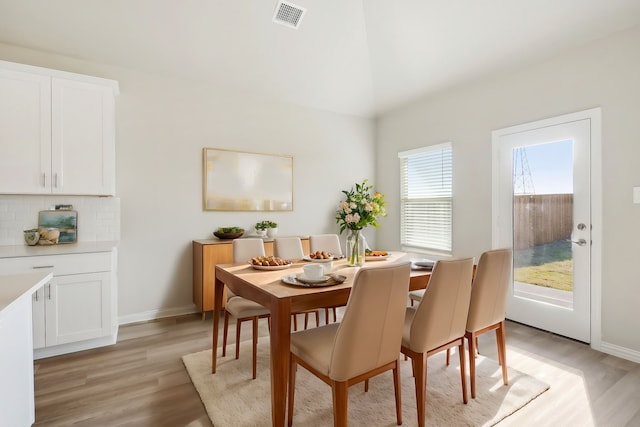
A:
[(426, 198)]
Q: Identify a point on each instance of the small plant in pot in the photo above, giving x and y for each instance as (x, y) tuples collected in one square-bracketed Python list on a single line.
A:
[(261, 228), (272, 228)]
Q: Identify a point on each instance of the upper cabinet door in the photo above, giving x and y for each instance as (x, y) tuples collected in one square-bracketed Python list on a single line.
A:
[(82, 138), (25, 133)]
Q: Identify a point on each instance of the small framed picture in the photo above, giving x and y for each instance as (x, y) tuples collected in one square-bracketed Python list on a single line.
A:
[(63, 220)]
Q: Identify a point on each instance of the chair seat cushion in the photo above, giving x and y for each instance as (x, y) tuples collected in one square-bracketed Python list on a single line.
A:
[(417, 295), (315, 346), (242, 307)]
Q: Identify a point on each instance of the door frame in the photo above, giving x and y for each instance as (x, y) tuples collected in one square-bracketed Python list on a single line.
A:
[(595, 117)]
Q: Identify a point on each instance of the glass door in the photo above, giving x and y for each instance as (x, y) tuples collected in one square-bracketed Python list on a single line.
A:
[(543, 206)]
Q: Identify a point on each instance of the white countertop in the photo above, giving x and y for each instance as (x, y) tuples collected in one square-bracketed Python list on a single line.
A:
[(12, 287), (60, 249)]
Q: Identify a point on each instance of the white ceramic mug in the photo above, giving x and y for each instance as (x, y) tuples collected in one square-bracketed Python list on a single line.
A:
[(327, 266), (313, 271)]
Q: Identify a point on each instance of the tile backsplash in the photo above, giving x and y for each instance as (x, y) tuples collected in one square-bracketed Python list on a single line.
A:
[(98, 217)]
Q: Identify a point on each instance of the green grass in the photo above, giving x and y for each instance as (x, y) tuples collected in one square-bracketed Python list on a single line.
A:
[(548, 265)]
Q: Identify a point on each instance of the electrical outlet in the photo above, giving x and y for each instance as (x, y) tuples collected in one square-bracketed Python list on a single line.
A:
[(636, 195)]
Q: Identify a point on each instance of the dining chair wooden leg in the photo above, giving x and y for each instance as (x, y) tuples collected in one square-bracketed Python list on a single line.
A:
[(463, 374), (501, 338), (293, 368), (340, 392), (317, 318), (448, 362), (420, 374), (397, 388), (295, 322), (306, 321), (471, 340), (255, 345), (238, 327), (225, 329)]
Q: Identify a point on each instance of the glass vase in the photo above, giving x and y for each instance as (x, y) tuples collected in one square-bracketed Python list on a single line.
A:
[(355, 248)]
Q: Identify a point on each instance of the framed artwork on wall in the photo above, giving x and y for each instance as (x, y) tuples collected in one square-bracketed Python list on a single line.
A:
[(244, 181)]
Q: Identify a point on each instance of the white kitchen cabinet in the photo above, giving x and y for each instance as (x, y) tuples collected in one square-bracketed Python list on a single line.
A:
[(72, 308), (57, 132), (76, 309)]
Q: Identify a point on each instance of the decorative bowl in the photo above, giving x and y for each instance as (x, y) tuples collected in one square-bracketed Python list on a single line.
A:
[(31, 237), (220, 235), (48, 236)]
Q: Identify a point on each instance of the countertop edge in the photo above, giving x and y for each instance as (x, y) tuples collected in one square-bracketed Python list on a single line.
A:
[(16, 251), (15, 286)]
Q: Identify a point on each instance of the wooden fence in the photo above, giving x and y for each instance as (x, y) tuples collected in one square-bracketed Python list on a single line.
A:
[(541, 218)]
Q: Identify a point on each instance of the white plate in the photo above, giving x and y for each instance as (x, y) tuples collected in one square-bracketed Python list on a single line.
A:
[(271, 267), (377, 258), (308, 258), (301, 278), (334, 279), (424, 264)]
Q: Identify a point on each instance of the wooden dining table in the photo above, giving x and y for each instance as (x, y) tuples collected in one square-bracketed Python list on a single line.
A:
[(267, 288)]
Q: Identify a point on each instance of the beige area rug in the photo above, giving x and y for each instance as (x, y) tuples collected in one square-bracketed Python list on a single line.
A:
[(233, 399)]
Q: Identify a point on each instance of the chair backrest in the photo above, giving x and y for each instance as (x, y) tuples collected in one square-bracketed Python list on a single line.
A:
[(288, 248), (441, 315), (370, 332), (489, 289), (245, 249), (325, 242)]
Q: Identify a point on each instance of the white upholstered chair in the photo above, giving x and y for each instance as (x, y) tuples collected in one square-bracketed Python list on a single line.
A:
[(364, 344), (288, 248), (438, 323), (329, 243), (326, 242), (241, 308), (488, 305), (291, 248)]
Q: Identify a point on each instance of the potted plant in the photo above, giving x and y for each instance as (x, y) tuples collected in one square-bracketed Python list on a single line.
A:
[(272, 228), (261, 228)]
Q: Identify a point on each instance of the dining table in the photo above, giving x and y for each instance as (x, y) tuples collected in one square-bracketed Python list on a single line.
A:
[(268, 288)]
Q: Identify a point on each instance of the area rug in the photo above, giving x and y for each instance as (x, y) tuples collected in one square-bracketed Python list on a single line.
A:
[(233, 399)]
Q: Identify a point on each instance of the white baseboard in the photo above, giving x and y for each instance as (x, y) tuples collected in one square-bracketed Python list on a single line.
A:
[(618, 351), (157, 314)]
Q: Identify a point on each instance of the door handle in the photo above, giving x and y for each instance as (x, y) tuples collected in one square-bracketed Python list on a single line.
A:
[(580, 242)]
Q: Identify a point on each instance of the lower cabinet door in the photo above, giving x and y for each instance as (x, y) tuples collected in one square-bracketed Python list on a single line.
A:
[(78, 308), (37, 306)]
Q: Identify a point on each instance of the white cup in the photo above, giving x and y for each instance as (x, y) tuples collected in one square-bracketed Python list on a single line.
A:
[(313, 271), (327, 266)]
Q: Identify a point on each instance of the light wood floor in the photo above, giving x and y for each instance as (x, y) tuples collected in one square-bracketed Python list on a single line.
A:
[(141, 380)]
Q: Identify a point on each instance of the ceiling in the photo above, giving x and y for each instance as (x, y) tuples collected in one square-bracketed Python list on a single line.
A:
[(361, 57)]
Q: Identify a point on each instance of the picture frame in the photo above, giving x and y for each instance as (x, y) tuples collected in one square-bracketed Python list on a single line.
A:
[(246, 181), (64, 220)]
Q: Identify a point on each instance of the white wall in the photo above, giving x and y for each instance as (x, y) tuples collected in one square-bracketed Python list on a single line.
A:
[(604, 73), (162, 126)]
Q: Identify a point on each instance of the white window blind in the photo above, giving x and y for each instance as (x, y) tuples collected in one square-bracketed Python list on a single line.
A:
[(426, 176)]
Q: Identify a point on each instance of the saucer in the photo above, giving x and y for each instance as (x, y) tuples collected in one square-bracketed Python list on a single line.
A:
[(304, 279)]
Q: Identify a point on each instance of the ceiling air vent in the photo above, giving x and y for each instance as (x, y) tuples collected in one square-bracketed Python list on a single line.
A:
[(288, 14)]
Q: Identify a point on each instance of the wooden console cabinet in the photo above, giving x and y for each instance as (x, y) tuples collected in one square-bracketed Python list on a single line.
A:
[(208, 253)]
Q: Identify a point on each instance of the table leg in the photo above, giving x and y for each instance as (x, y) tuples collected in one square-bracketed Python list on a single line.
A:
[(280, 347), (217, 310)]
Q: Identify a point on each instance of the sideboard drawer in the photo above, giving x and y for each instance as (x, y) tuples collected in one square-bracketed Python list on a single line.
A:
[(61, 265)]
